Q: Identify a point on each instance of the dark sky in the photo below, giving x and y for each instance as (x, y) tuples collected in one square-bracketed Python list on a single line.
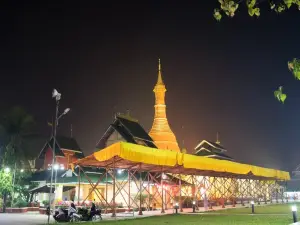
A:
[(102, 57)]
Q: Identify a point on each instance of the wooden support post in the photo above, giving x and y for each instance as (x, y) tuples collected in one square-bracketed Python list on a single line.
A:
[(129, 183), (79, 181), (180, 200), (114, 190), (162, 193), (106, 187), (141, 188)]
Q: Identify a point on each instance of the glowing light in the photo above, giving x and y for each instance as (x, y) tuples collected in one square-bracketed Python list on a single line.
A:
[(22, 170), (56, 166), (62, 167), (194, 202), (176, 204), (120, 171), (7, 170), (294, 208), (252, 202)]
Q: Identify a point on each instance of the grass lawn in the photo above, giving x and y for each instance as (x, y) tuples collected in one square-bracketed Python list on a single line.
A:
[(204, 220), (262, 209)]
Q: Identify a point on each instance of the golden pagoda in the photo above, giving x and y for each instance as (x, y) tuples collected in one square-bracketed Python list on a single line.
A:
[(161, 132)]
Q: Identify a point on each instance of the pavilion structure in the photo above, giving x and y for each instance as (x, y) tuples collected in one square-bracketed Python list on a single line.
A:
[(141, 171)]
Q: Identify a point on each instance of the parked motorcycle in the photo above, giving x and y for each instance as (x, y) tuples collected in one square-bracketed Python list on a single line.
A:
[(92, 215), (69, 215)]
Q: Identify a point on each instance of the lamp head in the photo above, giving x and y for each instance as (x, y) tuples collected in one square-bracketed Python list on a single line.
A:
[(252, 202), (66, 111), (56, 94), (176, 204), (294, 208), (194, 202)]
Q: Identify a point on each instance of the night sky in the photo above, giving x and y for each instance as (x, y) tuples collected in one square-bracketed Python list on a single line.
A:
[(102, 57)]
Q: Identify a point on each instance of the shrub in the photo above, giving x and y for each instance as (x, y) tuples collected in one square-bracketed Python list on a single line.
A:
[(45, 203), (20, 203)]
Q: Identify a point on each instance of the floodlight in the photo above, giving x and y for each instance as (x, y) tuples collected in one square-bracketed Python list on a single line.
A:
[(66, 111), (7, 170), (56, 166), (294, 208), (56, 94)]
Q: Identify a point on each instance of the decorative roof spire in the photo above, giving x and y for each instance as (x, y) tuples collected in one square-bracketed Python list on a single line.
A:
[(159, 79), (218, 141)]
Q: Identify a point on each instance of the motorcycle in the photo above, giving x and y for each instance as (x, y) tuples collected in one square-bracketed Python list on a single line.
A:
[(93, 215), (66, 215)]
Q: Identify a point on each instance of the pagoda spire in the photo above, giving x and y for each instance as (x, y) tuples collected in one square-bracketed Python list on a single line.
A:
[(159, 78), (218, 140), (161, 132)]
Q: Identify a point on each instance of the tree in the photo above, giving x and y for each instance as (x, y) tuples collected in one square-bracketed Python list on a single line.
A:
[(5, 185), (229, 7), (19, 141)]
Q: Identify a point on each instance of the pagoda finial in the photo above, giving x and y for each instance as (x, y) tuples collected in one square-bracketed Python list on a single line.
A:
[(218, 141), (159, 79)]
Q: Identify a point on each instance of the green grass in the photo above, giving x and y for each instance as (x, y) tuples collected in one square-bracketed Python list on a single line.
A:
[(262, 209), (204, 220)]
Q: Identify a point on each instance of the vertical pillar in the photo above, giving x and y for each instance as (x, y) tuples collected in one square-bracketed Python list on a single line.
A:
[(180, 198), (141, 188), (162, 193), (129, 183), (149, 195), (106, 186), (114, 190), (79, 181)]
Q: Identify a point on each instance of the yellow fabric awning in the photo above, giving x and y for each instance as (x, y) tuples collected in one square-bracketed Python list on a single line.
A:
[(138, 154), (175, 162), (225, 166)]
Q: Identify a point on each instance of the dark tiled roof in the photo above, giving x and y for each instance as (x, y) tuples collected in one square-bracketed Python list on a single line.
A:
[(217, 155), (129, 129), (210, 146), (62, 142)]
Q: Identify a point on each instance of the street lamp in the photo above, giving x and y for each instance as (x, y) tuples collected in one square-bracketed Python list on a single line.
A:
[(194, 206), (176, 207), (57, 96)]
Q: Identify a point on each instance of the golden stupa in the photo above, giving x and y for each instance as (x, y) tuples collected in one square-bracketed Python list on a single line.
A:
[(161, 132)]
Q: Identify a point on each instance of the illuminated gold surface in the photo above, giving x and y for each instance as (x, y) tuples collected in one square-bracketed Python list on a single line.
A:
[(161, 132)]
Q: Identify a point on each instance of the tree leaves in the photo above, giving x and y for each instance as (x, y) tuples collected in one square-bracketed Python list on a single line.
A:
[(294, 67), (229, 7), (5, 181), (279, 95)]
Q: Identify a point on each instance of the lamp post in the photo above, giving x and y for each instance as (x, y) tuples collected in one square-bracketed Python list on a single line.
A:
[(176, 207), (294, 210), (252, 206), (194, 206), (57, 96)]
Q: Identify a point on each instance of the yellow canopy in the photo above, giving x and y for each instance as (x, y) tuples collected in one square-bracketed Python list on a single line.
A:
[(127, 155)]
